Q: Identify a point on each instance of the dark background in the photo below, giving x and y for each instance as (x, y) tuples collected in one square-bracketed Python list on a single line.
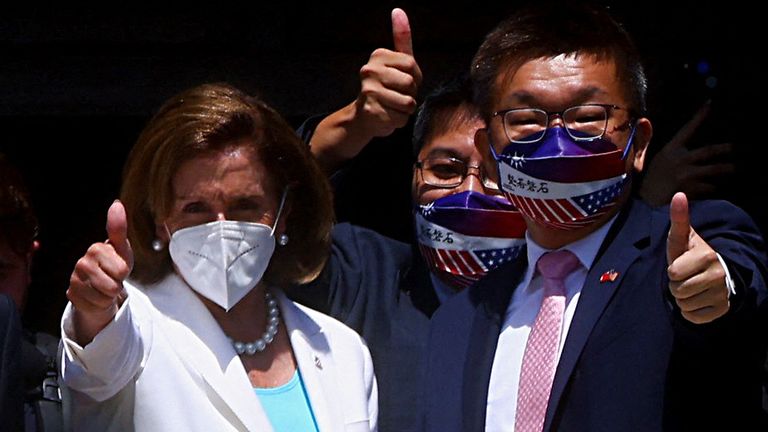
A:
[(77, 84)]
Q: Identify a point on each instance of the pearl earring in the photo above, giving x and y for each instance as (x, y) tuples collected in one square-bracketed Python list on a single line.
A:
[(157, 245), (282, 240)]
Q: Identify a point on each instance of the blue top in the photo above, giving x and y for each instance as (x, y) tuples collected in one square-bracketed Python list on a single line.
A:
[(287, 406)]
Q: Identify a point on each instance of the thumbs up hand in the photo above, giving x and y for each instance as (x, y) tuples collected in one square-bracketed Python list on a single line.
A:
[(696, 277), (96, 285), (390, 82), (388, 88)]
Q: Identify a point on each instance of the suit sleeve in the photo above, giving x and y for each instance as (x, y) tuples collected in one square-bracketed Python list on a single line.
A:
[(371, 389), (733, 234), (719, 364), (113, 358), (362, 267)]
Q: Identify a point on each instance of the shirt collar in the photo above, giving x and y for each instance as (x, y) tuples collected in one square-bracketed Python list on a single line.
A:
[(585, 249)]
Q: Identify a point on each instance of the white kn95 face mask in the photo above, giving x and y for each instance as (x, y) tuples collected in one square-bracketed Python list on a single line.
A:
[(224, 260)]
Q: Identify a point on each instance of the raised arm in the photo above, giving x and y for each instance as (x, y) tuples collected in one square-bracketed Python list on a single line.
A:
[(96, 286), (389, 83)]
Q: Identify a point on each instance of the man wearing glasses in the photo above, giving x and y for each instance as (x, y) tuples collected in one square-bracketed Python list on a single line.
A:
[(618, 316), (385, 289)]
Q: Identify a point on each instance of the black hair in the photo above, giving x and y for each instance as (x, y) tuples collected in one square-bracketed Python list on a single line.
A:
[(548, 30), (440, 110)]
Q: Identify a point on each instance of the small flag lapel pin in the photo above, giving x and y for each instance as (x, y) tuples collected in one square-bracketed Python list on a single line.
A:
[(609, 276)]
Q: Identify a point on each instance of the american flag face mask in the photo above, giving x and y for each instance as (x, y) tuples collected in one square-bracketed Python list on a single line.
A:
[(465, 235), (561, 182)]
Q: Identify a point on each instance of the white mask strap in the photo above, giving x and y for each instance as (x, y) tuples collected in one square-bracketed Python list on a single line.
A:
[(279, 210)]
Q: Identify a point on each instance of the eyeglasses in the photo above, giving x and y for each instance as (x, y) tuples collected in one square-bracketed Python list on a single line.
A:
[(582, 122), (447, 172)]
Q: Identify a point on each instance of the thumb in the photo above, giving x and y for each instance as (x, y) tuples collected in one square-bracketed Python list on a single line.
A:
[(401, 32), (680, 227), (117, 231)]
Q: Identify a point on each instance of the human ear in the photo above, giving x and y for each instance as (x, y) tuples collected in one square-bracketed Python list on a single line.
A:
[(643, 134)]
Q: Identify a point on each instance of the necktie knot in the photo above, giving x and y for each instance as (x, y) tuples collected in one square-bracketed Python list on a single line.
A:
[(557, 265)]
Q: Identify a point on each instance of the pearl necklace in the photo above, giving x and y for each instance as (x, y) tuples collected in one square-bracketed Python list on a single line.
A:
[(260, 344)]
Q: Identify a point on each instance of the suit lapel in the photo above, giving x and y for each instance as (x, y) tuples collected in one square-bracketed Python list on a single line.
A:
[(202, 346), (316, 365), (625, 241), (491, 297)]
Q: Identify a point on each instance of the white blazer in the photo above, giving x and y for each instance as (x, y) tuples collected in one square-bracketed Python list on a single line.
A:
[(164, 364)]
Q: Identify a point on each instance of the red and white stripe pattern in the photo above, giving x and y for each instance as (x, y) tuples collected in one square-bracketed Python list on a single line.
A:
[(561, 205), (464, 258), (462, 266)]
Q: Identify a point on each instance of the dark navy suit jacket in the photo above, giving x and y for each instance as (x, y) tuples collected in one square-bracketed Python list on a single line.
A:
[(630, 361), (380, 288)]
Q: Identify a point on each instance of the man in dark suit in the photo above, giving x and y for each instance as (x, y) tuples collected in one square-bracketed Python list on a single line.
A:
[(386, 289), (619, 316), (382, 287)]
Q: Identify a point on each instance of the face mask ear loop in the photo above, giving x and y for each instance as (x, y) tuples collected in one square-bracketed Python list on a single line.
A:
[(279, 211), (497, 165), (493, 150), (629, 142)]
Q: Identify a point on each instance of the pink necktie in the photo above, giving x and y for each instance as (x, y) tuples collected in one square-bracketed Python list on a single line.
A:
[(540, 357)]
